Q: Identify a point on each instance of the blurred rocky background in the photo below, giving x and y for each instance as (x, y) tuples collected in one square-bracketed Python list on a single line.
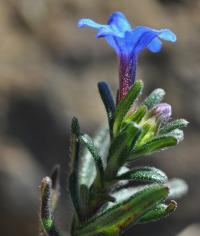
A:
[(48, 73)]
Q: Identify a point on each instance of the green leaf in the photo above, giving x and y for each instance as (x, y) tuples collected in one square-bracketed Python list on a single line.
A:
[(99, 181), (125, 105), (135, 116), (108, 101), (148, 132), (145, 174), (160, 211), (154, 98), (120, 149), (87, 169), (175, 124), (74, 185), (177, 188), (115, 220), (157, 143)]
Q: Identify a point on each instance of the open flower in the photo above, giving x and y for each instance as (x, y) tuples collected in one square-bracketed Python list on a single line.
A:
[(128, 43)]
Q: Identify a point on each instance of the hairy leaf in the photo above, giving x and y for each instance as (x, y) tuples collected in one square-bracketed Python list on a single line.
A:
[(97, 159), (115, 220), (155, 144), (87, 169), (121, 147), (74, 185), (160, 211), (175, 124), (144, 174), (154, 98)]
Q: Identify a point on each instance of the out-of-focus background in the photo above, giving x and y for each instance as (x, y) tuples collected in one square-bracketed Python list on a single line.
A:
[(48, 73)]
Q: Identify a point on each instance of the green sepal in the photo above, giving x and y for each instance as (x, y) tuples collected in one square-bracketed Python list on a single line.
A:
[(177, 188), (124, 106), (159, 212), (175, 124), (74, 185), (154, 98), (120, 148), (155, 144), (135, 116), (118, 218), (99, 180), (144, 174), (108, 102)]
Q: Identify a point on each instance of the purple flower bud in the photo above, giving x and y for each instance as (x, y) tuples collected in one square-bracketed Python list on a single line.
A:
[(163, 111)]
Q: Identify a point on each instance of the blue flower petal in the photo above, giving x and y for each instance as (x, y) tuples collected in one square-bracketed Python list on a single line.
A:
[(108, 31), (127, 41), (113, 43), (143, 37), (119, 23), (89, 23), (155, 45), (167, 34)]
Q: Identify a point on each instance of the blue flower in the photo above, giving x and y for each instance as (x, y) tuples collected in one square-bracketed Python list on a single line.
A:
[(128, 43)]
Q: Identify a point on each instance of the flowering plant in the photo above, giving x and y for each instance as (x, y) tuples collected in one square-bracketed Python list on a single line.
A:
[(108, 192)]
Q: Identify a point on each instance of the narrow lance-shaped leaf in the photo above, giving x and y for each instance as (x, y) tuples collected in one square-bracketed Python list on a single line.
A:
[(160, 211), (175, 124), (74, 184), (87, 169), (144, 174), (125, 105), (120, 149), (154, 98), (46, 210), (108, 101), (99, 181), (115, 220), (153, 145)]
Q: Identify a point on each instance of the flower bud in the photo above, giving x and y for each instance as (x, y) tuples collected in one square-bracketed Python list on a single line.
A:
[(163, 111)]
